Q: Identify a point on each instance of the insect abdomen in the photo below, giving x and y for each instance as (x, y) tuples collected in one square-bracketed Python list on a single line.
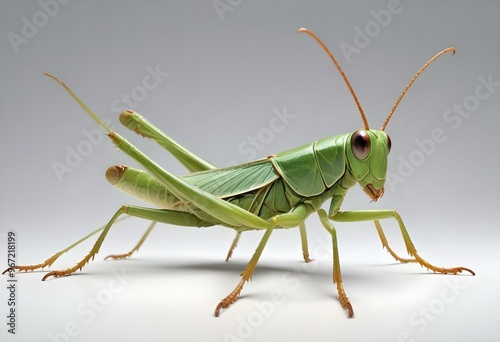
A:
[(142, 185)]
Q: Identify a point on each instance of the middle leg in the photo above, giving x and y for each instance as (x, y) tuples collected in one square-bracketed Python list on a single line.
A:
[(289, 220)]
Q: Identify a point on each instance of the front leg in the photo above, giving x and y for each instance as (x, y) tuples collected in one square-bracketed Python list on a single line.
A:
[(337, 275), (375, 215)]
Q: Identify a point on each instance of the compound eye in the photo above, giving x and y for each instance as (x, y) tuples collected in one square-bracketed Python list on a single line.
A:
[(389, 144), (360, 144)]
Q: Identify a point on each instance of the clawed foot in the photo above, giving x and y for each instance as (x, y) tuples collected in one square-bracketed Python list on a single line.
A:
[(30, 268), (452, 270), (57, 274), (69, 271), (230, 299), (118, 256), (10, 269), (49, 262), (306, 257), (344, 301)]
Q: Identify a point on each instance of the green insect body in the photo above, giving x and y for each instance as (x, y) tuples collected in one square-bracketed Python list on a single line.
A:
[(308, 175), (279, 191)]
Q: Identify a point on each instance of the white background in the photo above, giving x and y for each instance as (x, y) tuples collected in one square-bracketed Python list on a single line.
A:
[(228, 73)]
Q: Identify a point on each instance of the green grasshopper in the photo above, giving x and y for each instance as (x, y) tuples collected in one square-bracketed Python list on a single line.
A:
[(276, 192)]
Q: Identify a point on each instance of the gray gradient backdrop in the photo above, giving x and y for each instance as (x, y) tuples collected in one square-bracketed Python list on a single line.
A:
[(229, 73)]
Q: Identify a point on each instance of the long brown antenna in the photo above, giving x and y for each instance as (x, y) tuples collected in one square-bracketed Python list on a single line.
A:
[(363, 117), (413, 80)]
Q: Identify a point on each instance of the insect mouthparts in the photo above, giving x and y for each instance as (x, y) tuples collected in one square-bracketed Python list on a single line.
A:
[(373, 192)]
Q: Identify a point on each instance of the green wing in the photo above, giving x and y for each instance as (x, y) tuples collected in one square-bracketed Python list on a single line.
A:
[(234, 180)]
